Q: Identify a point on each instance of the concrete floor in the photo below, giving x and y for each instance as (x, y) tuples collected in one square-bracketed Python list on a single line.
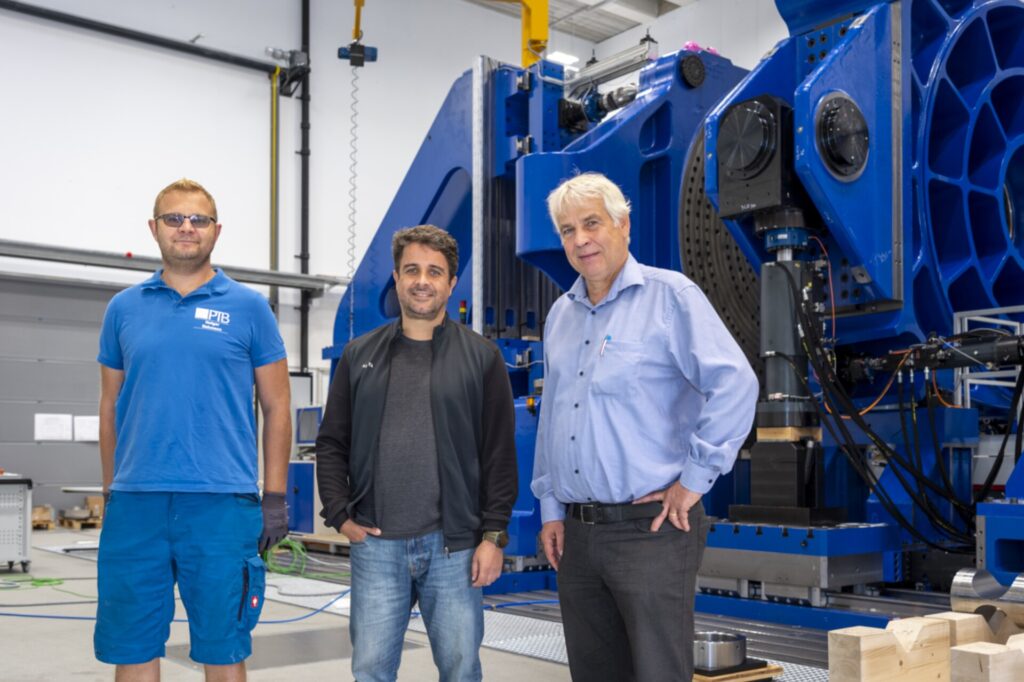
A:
[(52, 649)]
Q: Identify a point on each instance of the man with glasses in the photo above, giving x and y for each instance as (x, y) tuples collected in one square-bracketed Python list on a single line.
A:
[(179, 356)]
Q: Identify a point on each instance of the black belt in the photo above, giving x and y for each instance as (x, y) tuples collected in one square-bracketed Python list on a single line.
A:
[(596, 512)]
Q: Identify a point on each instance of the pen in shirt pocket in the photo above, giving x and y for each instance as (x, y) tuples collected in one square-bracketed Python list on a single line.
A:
[(604, 344)]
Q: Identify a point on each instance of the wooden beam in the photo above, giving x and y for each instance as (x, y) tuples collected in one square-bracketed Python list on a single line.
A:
[(909, 649), (966, 628), (788, 434), (989, 662)]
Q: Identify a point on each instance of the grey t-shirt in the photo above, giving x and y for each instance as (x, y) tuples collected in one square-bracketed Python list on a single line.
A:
[(407, 487)]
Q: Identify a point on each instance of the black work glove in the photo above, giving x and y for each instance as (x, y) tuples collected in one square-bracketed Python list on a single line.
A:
[(275, 520)]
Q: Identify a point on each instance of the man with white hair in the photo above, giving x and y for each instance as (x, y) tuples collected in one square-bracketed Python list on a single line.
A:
[(647, 399)]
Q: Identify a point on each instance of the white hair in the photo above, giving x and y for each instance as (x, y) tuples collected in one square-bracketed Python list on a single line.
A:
[(582, 187)]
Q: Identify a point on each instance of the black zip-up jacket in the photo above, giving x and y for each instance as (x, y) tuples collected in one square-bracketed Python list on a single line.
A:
[(474, 425)]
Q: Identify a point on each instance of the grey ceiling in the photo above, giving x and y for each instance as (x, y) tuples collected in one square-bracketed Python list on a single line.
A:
[(594, 20)]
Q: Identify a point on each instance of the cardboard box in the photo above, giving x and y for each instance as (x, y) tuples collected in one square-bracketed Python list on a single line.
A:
[(42, 514), (94, 503)]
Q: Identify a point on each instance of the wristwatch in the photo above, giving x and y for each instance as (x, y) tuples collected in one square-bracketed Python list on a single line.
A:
[(498, 537)]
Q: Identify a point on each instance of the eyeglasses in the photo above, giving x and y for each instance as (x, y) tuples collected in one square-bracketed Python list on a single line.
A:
[(176, 220)]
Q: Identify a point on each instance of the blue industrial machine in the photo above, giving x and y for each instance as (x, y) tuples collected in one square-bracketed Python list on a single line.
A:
[(870, 167), (503, 139), (841, 205)]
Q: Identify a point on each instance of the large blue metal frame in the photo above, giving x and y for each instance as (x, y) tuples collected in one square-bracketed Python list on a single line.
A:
[(938, 82), (941, 234), (437, 188), (643, 147), (854, 57)]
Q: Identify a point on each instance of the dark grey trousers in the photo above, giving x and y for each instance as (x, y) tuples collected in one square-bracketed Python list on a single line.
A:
[(627, 599)]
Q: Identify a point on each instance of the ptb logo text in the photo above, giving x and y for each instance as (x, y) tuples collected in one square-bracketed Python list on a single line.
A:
[(212, 319)]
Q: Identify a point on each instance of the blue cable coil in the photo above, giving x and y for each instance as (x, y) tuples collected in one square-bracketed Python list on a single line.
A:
[(489, 607)]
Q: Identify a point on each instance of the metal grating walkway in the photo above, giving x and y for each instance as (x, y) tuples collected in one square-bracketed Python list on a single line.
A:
[(530, 626)]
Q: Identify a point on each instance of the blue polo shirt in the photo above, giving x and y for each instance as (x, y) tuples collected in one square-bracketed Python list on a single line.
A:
[(185, 414)]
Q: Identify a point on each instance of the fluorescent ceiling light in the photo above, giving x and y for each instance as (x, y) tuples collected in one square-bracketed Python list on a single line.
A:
[(562, 58)]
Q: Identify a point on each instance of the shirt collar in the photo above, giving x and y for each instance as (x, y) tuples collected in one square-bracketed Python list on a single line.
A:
[(630, 275), (218, 285), (397, 333), (155, 281)]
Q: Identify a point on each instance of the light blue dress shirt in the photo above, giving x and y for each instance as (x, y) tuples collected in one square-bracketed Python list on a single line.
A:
[(644, 389)]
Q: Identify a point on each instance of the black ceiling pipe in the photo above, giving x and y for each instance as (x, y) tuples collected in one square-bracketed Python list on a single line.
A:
[(137, 36)]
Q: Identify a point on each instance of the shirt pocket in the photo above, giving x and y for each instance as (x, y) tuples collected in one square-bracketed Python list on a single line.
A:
[(617, 369)]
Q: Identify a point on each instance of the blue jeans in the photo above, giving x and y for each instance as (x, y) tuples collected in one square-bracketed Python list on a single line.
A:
[(388, 578)]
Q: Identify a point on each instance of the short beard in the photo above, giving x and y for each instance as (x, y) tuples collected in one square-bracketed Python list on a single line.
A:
[(409, 312), (186, 265)]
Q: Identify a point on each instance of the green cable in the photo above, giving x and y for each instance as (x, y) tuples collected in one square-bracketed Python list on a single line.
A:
[(298, 557), (27, 582), (297, 566)]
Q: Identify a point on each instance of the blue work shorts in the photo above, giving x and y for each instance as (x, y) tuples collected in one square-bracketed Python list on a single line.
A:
[(206, 542)]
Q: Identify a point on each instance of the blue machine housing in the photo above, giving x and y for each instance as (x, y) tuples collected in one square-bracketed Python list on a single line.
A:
[(642, 147), (932, 225), (928, 228), (854, 57), (939, 83)]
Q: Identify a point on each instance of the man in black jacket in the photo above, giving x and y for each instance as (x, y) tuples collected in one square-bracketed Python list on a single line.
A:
[(416, 466)]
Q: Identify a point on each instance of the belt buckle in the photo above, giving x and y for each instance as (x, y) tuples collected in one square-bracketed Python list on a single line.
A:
[(589, 519)]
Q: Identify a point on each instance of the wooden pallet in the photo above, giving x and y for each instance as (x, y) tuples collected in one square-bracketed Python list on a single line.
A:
[(43, 525), (77, 524), (332, 543), (771, 671)]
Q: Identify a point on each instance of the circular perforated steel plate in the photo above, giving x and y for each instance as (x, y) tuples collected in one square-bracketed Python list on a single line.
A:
[(713, 260)]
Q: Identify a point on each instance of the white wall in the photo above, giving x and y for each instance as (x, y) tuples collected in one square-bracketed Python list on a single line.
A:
[(94, 125), (741, 30)]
